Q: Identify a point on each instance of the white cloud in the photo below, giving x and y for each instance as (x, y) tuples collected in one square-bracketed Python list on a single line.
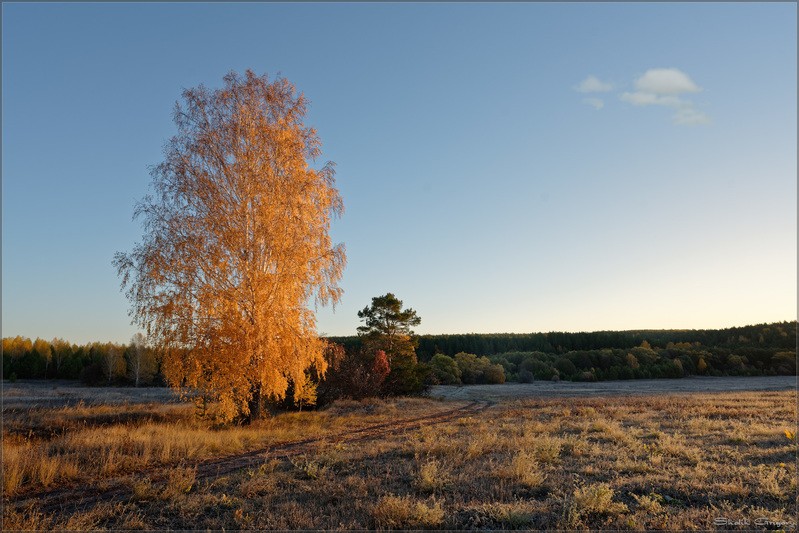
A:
[(666, 81), (689, 115), (662, 86), (642, 98), (592, 84), (596, 103), (666, 87)]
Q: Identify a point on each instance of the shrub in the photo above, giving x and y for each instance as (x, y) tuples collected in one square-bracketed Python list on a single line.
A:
[(586, 376), (393, 512), (406, 377), (508, 367), (649, 504), (468, 365), (525, 468), (784, 363), (363, 374), (432, 478), (565, 367), (445, 370), (179, 482), (478, 370), (596, 499), (547, 449), (380, 367), (538, 368), (493, 374), (525, 376)]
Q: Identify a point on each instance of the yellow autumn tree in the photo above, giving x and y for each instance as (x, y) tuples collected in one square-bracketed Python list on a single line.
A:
[(43, 348), (236, 245)]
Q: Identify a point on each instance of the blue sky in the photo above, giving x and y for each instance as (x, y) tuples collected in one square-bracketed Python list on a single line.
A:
[(504, 167)]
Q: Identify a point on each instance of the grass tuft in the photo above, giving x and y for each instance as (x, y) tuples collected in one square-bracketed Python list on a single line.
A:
[(597, 499), (525, 469), (394, 512), (179, 482)]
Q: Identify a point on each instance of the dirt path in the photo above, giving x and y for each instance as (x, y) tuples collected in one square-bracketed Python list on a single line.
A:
[(76, 498), (564, 389)]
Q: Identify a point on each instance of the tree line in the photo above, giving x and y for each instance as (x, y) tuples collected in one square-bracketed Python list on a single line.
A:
[(676, 360), (776, 337), (95, 363), (387, 359), (382, 360), (756, 350)]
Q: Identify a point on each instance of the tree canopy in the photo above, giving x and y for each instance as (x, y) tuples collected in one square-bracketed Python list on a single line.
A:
[(236, 245), (387, 328), (387, 319)]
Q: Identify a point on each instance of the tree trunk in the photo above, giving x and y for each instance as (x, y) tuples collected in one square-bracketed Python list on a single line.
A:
[(255, 405)]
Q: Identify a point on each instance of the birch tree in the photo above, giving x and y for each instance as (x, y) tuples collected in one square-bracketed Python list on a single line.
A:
[(111, 360), (45, 351), (236, 245), (141, 362), (61, 350)]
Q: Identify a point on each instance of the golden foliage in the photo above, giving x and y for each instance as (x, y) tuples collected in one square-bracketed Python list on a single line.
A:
[(305, 392), (16, 346), (236, 245)]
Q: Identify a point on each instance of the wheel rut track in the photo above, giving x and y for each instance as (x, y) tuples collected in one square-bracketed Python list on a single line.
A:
[(74, 499)]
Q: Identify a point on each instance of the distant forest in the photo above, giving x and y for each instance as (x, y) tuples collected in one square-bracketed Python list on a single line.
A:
[(777, 336), (763, 349)]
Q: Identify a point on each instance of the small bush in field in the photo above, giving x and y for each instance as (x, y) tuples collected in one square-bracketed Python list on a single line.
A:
[(181, 480), (445, 370), (310, 468), (596, 499), (547, 449), (526, 469), (432, 478), (394, 512), (478, 369), (650, 503)]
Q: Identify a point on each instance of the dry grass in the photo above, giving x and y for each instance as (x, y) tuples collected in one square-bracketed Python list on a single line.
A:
[(547, 449), (433, 477), (654, 462), (596, 499), (526, 469), (392, 512), (88, 446)]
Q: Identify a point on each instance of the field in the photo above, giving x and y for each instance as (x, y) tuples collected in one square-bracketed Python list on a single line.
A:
[(571, 389), (618, 455)]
